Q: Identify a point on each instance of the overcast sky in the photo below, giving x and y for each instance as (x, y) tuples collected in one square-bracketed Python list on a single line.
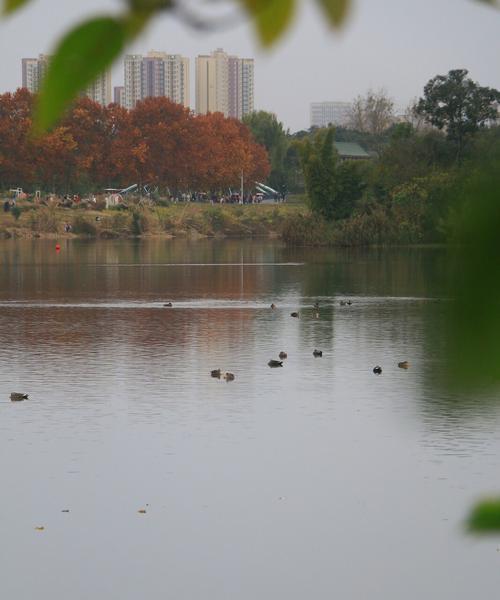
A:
[(395, 44)]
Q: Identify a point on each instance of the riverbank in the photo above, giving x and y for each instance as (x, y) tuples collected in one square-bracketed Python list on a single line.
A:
[(294, 223), (177, 220)]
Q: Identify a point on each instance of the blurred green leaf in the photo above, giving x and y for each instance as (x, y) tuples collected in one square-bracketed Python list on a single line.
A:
[(272, 17), (10, 6), (82, 54), (485, 517), (474, 328), (335, 10)]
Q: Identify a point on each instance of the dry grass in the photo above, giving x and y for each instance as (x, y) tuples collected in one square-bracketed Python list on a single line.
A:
[(175, 220)]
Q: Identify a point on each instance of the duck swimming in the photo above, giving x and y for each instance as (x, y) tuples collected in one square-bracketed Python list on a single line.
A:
[(317, 353), (377, 370), (275, 363), (215, 373), (273, 306), (229, 377), (168, 305), (404, 364), (295, 314), (17, 397), (283, 354)]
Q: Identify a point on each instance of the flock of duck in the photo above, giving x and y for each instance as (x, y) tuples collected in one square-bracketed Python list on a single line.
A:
[(273, 363)]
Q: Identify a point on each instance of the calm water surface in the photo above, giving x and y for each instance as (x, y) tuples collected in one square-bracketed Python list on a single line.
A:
[(317, 480)]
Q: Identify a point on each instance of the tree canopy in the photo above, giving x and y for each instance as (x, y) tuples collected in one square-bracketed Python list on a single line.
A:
[(95, 147), (458, 105), (270, 133)]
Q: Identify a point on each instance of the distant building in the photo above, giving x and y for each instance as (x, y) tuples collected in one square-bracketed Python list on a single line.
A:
[(119, 95), (351, 151), (225, 84), (133, 80), (156, 75), (330, 113), (34, 70), (100, 90)]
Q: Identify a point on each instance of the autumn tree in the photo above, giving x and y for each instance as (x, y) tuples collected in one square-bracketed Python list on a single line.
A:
[(95, 147), (167, 139), (56, 160), (17, 164), (124, 151), (86, 123), (226, 150)]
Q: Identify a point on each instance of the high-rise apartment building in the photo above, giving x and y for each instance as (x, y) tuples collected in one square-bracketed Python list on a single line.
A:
[(133, 80), (34, 70), (247, 86), (154, 75), (330, 113), (224, 84), (119, 95), (100, 90)]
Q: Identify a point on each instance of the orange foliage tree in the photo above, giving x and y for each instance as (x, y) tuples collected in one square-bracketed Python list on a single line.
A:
[(94, 147), (17, 164)]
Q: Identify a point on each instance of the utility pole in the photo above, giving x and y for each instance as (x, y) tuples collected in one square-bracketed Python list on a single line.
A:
[(241, 191)]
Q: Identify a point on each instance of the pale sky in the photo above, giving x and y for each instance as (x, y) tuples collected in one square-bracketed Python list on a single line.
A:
[(396, 44)]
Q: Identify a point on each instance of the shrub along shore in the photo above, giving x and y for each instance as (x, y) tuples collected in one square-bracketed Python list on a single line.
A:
[(177, 220), (294, 223)]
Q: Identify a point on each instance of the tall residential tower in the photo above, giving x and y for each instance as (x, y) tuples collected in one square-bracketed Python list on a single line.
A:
[(224, 84), (154, 75), (34, 70)]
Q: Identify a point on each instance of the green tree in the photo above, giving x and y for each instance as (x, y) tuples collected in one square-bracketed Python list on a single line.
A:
[(270, 133), (458, 105), (319, 163), (350, 187)]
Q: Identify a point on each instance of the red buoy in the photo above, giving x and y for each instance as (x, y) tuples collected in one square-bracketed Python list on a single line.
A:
[(58, 248)]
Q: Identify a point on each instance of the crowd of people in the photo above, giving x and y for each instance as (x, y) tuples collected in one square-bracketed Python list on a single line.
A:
[(229, 198)]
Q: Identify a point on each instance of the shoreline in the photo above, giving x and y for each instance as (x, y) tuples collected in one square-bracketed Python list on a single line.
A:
[(192, 221), (294, 224)]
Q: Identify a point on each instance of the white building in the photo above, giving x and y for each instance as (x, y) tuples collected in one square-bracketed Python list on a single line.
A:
[(330, 113), (33, 72)]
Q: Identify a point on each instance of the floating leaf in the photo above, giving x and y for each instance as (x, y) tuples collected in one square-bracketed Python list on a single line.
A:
[(485, 517), (78, 60), (335, 10), (10, 6), (272, 17)]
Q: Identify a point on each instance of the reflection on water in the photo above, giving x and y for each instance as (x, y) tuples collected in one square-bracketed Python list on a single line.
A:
[(316, 480)]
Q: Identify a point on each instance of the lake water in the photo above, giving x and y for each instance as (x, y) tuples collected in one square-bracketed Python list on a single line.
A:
[(315, 480)]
